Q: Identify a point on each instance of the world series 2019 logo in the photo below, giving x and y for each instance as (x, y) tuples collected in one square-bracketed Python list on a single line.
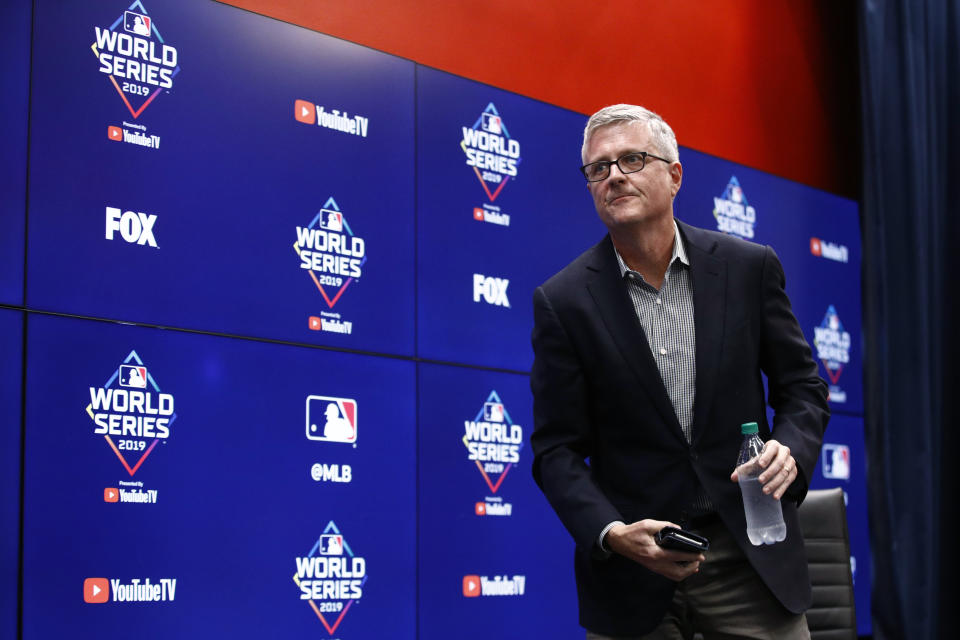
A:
[(733, 213), (334, 258), (135, 57), (131, 412), (331, 577), (494, 157), (833, 350), (493, 443)]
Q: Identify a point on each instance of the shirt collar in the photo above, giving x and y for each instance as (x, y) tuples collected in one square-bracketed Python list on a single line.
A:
[(679, 253)]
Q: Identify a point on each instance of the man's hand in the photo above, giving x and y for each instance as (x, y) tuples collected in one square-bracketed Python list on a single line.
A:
[(779, 469), (635, 541)]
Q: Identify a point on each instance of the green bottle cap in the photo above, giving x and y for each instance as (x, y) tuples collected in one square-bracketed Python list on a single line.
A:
[(749, 427)]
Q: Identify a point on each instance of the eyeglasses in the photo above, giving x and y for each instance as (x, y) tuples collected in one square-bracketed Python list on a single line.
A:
[(627, 163)]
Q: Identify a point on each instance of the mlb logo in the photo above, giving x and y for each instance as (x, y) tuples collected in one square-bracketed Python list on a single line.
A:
[(493, 412), (736, 193), (137, 23), (836, 461), (833, 321), (815, 247), (492, 123), (331, 220), (331, 419), (331, 544), (131, 376)]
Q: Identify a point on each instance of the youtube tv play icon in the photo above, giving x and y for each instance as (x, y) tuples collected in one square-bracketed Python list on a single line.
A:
[(96, 590), (471, 586), (114, 133), (305, 112), (815, 247), (111, 494)]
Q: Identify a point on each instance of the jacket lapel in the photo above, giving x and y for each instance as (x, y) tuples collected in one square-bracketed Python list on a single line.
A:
[(709, 281), (606, 286)]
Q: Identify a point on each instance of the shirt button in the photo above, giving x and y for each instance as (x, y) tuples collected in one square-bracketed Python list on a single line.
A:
[(663, 351), (658, 301)]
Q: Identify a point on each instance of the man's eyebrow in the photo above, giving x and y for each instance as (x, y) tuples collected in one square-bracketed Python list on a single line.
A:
[(618, 156)]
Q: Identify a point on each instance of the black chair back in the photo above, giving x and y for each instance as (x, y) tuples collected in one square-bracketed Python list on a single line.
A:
[(823, 521)]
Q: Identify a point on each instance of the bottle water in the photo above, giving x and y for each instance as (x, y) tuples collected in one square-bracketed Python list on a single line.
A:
[(764, 516)]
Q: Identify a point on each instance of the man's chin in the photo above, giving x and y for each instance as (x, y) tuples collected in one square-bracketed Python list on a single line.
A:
[(624, 209), (629, 217), (620, 221)]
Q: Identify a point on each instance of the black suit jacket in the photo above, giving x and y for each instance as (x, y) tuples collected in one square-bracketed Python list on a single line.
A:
[(607, 444)]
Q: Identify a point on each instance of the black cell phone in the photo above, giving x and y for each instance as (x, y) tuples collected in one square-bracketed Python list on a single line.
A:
[(681, 540)]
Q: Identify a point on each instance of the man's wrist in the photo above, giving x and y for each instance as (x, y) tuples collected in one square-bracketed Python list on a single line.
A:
[(603, 535)]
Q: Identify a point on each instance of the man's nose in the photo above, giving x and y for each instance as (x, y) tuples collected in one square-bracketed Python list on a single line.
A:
[(618, 176)]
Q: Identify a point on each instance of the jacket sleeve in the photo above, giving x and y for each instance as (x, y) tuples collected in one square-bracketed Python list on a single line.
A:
[(797, 394), (563, 438)]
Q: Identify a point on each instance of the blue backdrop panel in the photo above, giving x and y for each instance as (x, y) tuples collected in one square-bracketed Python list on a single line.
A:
[(14, 83), (843, 463), (11, 344), (495, 562), (817, 238), (196, 198), (824, 258), (501, 207), (244, 471)]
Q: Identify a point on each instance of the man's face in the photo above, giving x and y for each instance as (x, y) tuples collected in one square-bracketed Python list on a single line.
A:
[(628, 199)]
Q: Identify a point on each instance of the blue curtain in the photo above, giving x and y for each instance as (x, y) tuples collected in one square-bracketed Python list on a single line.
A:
[(910, 89)]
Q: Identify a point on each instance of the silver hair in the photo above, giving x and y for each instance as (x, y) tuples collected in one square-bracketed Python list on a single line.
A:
[(663, 136)]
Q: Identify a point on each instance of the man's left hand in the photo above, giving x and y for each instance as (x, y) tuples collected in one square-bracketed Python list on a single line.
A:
[(779, 469)]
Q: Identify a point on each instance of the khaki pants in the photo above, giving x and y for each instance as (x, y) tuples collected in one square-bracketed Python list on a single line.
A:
[(724, 601)]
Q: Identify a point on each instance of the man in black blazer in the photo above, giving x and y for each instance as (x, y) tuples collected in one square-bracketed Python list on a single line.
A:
[(649, 350)]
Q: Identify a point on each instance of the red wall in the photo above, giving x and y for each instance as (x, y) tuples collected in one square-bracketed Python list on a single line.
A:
[(772, 85)]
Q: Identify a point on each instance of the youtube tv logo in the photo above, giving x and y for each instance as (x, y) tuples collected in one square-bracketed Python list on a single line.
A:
[(480, 508), (315, 324), (96, 590), (829, 250), (115, 133), (471, 586), (305, 112), (111, 494), (478, 214)]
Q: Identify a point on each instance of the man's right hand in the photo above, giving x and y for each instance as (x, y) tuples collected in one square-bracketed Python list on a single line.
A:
[(635, 541)]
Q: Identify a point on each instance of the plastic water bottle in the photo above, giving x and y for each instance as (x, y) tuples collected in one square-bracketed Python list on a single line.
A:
[(764, 516)]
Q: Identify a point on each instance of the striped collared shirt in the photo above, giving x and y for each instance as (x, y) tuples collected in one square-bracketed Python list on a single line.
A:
[(667, 320)]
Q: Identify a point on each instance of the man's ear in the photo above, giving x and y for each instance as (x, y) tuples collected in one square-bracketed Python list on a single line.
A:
[(676, 178)]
